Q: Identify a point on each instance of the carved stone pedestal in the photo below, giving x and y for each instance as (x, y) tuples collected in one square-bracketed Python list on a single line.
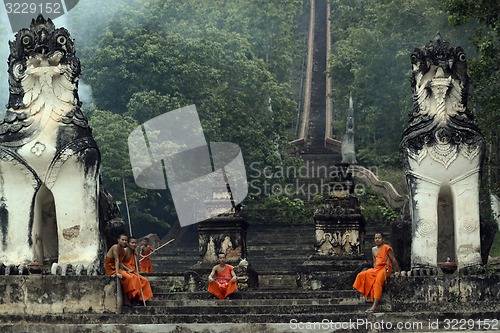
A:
[(339, 227), (339, 238), (226, 234), (328, 272), (221, 234)]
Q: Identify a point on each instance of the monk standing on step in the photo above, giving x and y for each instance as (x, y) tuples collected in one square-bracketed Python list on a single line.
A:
[(371, 281), (222, 281), (144, 252)]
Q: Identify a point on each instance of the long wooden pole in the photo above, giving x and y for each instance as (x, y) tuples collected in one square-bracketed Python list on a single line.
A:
[(126, 206), (144, 257), (130, 230), (139, 277)]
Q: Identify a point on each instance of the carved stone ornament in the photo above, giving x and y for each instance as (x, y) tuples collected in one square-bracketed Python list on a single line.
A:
[(53, 210), (440, 124), (442, 149)]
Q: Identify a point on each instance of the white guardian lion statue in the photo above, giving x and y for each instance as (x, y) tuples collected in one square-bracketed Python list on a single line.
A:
[(49, 162), (443, 151)]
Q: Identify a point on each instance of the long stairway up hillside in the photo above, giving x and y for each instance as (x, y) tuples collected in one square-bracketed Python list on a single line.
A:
[(315, 116), (315, 141)]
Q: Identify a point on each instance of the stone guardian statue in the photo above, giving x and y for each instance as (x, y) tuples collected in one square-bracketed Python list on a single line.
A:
[(49, 161), (443, 150)]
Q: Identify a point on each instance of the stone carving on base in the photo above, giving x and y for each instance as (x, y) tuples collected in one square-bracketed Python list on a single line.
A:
[(222, 234), (51, 199), (442, 149), (339, 233), (225, 232), (339, 223)]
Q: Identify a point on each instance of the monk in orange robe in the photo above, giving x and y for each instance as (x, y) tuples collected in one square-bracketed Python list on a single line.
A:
[(144, 252), (114, 267), (222, 281), (371, 281), (143, 290)]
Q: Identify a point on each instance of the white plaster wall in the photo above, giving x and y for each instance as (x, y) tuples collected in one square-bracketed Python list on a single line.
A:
[(495, 207)]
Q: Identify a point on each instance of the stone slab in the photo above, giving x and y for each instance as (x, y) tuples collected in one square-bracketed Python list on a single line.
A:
[(444, 293), (51, 294)]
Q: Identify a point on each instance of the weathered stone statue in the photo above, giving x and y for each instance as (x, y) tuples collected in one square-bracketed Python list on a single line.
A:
[(49, 162), (443, 150)]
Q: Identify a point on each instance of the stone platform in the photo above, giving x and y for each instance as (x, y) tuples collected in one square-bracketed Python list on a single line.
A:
[(444, 293), (275, 308), (25, 295)]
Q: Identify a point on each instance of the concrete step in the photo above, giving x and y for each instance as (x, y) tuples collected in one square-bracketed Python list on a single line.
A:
[(184, 250), (273, 248), (264, 295), (228, 308), (366, 322), (281, 255), (159, 301)]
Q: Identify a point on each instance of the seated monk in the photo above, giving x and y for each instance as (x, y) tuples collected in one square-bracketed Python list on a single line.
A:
[(371, 281), (144, 253), (114, 267), (222, 281), (143, 291)]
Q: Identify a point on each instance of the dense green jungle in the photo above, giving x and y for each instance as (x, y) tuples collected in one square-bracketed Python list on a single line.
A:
[(241, 62)]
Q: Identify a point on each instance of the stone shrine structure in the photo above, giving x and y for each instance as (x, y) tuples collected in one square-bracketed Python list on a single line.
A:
[(339, 238), (443, 150), (225, 232), (339, 223)]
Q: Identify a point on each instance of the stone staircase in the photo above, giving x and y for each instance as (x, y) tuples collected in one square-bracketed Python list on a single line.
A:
[(274, 251), (277, 305), (256, 306)]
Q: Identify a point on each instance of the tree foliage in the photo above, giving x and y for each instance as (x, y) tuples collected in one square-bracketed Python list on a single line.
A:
[(483, 70), (232, 59), (372, 43)]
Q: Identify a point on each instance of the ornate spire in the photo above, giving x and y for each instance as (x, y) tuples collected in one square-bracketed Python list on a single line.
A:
[(348, 153)]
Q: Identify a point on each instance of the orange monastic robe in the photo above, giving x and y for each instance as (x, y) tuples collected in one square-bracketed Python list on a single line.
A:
[(109, 263), (139, 281), (223, 286), (372, 280), (146, 264)]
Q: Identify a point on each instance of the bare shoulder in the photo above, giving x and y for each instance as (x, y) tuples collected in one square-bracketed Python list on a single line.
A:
[(111, 250)]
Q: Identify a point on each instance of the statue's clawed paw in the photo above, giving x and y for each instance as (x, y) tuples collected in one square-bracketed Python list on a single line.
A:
[(473, 270), (424, 271), (74, 269), (11, 269)]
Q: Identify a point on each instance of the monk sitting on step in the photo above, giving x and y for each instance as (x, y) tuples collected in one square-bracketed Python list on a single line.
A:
[(371, 281), (143, 290), (222, 281), (114, 267)]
